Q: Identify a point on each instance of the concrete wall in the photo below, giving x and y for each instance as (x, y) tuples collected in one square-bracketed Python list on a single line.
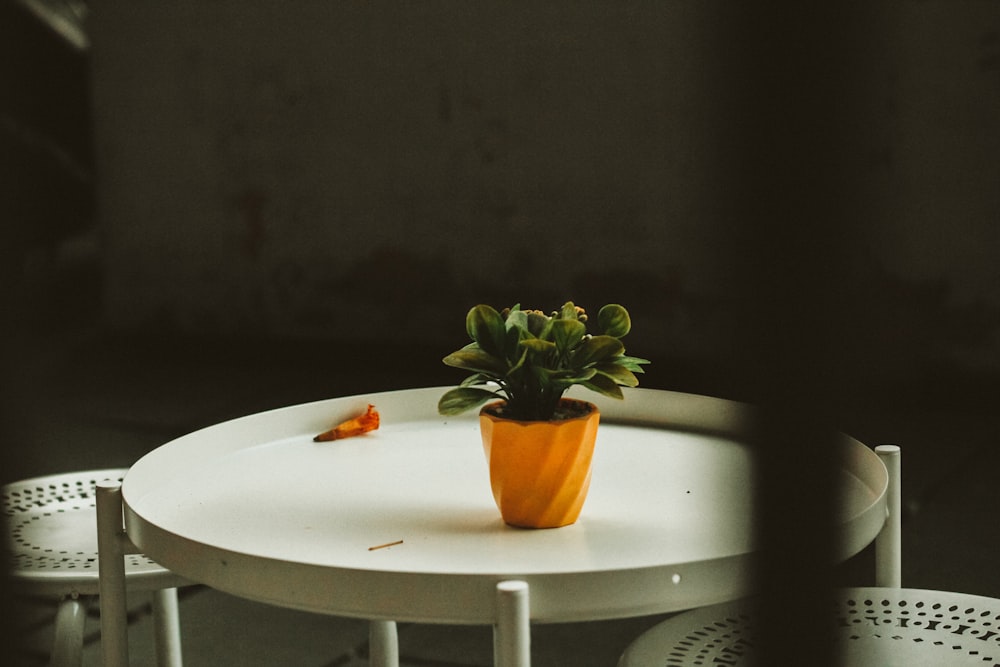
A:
[(373, 169)]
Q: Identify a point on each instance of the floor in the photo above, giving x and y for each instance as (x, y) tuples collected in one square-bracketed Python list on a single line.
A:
[(81, 398)]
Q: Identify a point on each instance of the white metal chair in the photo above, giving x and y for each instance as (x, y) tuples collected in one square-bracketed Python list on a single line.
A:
[(874, 627), (52, 536), (723, 633)]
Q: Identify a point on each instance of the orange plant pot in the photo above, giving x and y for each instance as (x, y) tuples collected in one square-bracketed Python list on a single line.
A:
[(539, 470)]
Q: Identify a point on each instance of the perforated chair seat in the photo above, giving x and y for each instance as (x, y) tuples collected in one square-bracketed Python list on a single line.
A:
[(887, 627), (52, 536), (51, 527)]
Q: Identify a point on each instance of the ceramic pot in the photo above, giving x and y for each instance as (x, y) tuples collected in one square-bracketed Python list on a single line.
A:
[(540, 470)]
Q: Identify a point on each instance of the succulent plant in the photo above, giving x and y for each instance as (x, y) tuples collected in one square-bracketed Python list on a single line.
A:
[(530, 359)]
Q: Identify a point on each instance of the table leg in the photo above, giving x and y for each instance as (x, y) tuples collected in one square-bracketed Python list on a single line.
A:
[(111, 568), (167, 628), (383, 644), (889, 542), (512, 630)]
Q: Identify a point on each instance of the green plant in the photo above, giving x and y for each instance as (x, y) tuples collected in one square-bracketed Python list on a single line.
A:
[(530, 359)]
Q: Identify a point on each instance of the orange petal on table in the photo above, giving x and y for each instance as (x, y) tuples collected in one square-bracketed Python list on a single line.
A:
[(362, 424)]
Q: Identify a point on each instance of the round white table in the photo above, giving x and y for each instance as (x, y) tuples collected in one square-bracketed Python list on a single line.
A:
[(255, 508)]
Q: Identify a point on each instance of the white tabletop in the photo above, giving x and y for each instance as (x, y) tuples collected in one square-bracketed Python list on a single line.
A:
[(254, 507)]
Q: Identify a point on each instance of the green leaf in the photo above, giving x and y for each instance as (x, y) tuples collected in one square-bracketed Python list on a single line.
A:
[(539, 324), (567, 334), (486, 327), (517, 318), (538, 345), (568, 311), (566, 379), (634, 364), (614, 320), (602, 384), (619, 374), (512, 346), (458, 400), (477, 361), (474, 379), (596, 349)]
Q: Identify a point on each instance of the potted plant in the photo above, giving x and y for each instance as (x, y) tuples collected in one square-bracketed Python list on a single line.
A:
[(538, 443)]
